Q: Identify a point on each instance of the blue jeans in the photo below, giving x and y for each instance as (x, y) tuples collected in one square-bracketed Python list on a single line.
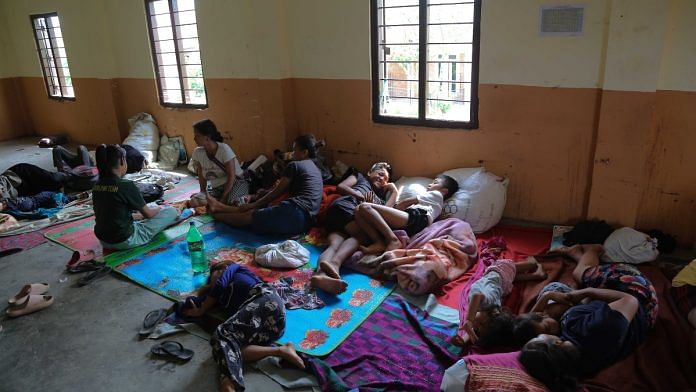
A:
[(145, 230)]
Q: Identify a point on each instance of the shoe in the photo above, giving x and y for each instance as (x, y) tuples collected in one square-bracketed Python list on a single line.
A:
[(27, 290), (32, 304)]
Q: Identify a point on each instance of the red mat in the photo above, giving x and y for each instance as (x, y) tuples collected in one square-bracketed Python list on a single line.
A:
[(521, 243)]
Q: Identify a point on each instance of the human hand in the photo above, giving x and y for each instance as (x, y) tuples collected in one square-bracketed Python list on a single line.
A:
[(369, 197), (558, 297), (469, 329)]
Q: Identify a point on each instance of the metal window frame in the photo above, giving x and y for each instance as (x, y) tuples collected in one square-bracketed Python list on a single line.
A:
[(52, 60), (177, 52), (423, 43)]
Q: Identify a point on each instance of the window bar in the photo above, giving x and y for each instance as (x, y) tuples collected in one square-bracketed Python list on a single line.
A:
[(176, 49), (49, 25), (38, 47), (154, 53), (384, 52), (422, 57), (49, 56)]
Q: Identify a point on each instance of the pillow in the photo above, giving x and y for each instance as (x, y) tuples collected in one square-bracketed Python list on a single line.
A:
[(411, 187), (463, 173), (479, 202), (626, 245), (490, 372)]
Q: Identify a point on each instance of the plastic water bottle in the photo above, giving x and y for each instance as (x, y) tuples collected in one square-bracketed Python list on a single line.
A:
[(196, 250)]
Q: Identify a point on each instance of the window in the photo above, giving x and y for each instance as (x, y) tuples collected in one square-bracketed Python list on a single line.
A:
[(176, 53), (425, 62), (54, 59)]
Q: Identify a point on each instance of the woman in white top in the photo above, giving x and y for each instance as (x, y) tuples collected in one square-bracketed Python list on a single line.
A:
[(217, 164)]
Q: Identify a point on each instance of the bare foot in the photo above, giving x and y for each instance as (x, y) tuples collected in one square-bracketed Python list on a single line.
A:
[(328, 284), (392, 245), (288, 353), (329, 268), (377, 247), (213, 205), (226, 385)]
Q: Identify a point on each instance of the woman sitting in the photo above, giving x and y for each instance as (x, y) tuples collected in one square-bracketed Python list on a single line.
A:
[(215, 162), (301, 179), (115, 199)]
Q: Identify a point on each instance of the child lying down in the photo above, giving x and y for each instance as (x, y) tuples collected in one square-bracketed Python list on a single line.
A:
[(487, 323)]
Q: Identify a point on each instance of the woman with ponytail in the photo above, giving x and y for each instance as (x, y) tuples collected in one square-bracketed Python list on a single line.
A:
[(215, 162), (116, 199)]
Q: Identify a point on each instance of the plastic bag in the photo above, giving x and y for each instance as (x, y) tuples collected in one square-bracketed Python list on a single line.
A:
[(480, 201), (288, 254), (144, 135), (626, 245)]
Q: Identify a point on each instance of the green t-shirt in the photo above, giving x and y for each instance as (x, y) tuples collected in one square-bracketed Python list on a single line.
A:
[(114, 201)]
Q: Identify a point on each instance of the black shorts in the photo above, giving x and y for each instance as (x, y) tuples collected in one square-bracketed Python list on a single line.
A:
[(417, 220), (337, 218)]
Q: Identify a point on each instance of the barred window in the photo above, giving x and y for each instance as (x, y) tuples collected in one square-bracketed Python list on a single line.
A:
[(52, 55), (425, 62), (176, 53)]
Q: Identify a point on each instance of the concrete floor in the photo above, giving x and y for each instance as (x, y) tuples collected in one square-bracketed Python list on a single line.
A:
[(88, 339)]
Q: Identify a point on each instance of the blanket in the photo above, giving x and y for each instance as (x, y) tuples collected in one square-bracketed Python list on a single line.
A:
[(398, 348), (449, 246)]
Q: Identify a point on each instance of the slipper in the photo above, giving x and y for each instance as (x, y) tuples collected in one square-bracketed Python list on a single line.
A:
[(151, 320), (85, 266), (77, 258), (27, 290), (94, 276), (172, 349), (32, 304)]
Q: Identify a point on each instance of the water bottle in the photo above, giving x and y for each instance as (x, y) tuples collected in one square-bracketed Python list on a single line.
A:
[(196, 250)]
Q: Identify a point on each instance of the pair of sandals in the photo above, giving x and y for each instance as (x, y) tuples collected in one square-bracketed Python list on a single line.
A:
[(168, 349), (79, 264), (31, 298)]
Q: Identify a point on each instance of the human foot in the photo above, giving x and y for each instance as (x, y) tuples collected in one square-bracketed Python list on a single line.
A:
[(288, 353), (226, 385), (328, 284), (377, 247), (330, 269)]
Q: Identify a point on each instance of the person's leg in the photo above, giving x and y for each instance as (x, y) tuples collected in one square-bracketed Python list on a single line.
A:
[(235, 219), (383, 219), (83, 157), (216, 207), (145, 230), (285, 218), (373, 236), (36, 179), (253, 353), (327, 256)]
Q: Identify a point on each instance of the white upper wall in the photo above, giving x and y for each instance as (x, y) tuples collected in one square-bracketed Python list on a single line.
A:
[(635, 45), (678, 67)]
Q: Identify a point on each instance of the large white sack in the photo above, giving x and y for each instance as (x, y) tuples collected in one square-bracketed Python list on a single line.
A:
[(463, 173), (411, 187), (144, 135), (169, 152), (287, 254), (480, 201)]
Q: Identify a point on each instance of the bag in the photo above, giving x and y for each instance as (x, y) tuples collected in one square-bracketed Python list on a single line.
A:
[(150, 192), (82, 178), (144, 135), (627, 245), (288, 254), (480, 201)]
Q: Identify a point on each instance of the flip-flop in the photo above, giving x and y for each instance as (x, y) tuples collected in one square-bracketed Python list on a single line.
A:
[(172, 349), (85, 266), (94, 276), (151, 320), (27, 290), (77, 258), (32, 304)]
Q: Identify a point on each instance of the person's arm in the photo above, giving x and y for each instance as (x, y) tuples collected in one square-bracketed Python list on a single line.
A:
[(468, 326), (280, 188), (556, 296), (150, 212), (231, 172), (202, 182), (198, 311), (346, 187), (623, 303), (393, 194), (404, 204)]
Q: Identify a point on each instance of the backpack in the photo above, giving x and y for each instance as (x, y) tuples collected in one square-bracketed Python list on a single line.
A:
[(150, 192)]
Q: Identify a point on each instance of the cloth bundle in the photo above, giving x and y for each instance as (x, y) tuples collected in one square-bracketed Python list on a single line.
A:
[(627, 245), (287, 254)]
